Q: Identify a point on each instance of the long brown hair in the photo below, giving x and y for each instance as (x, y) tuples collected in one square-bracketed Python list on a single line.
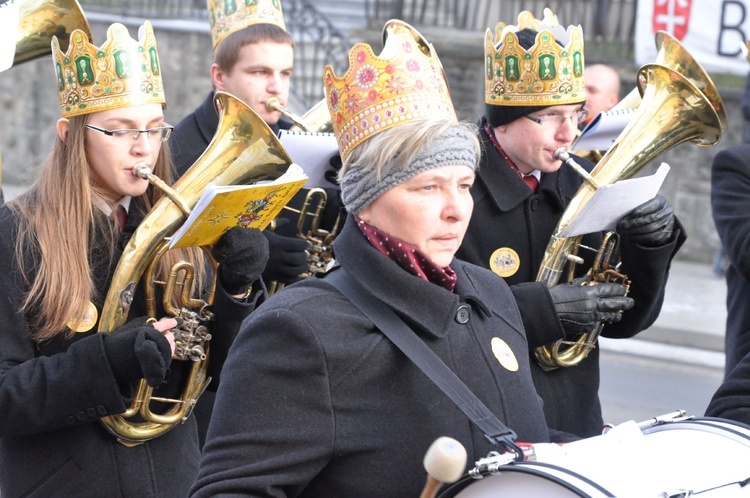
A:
[(61, 203)]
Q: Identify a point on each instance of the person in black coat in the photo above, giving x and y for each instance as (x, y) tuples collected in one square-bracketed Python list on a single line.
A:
[(512, 224), (316, 400), (61, 242), (730, 199)]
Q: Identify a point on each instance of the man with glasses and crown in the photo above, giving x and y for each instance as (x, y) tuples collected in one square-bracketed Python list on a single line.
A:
[(61, 242), (534, 100)]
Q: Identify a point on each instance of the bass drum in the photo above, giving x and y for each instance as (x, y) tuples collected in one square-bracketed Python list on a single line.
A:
[(706, 457)]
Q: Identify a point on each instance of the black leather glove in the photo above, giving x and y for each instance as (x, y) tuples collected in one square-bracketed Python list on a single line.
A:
[(650, 224), (287, 258), (242, 253), (580, 308), (332, 174), (138, 351)]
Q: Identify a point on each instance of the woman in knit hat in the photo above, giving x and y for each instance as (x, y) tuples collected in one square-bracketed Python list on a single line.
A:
[(315, 400)]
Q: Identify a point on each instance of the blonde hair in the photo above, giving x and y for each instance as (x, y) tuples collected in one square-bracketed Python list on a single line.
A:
[(394, 149), (63, 199)]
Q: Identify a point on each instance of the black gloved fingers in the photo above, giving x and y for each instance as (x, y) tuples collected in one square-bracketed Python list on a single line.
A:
[(617, 303), (239, 243), (609, 289), (278, 242), (646, 224), (658, 203), (611, 317), (154, 355)]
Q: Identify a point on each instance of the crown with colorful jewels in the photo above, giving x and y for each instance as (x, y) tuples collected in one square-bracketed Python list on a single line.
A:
[(228, 16), (406, 82), (548, 73), (120, 73)]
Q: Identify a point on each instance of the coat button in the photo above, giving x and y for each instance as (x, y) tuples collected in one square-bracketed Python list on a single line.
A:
[(91, 412), (534, 204), (463, 313), (70, 420), (81, 416), (101, 409)]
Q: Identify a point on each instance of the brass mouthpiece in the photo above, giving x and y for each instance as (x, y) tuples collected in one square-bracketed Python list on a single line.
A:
[(274, 104), (563, 156), (142, 170)]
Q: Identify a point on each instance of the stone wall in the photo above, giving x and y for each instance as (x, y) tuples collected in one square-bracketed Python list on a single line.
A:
[(28, 100)]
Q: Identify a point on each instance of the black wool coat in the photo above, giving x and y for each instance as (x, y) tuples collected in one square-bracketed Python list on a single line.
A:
[(507, 214), (316, 401), (54, 394), (730, 204)]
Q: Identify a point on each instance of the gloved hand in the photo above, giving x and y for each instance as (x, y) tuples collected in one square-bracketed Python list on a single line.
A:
[(242, 254), (650, 224), (138, 351), (332, 174), (580, 308), (287, 258)]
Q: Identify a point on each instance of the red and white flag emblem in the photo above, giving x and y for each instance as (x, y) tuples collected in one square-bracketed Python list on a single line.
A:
[(672, 16)]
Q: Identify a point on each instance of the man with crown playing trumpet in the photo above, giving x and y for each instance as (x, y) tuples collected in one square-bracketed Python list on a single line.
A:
[(535, 96), (61, 242), (253, 60), (316, 400)]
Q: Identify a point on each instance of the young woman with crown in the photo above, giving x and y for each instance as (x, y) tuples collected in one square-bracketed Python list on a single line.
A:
[(61, 242), (316, 400)]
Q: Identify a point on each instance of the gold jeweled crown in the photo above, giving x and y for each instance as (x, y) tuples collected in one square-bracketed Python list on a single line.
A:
[(226, 16), (120, 73), (406, 82), (546, 74)]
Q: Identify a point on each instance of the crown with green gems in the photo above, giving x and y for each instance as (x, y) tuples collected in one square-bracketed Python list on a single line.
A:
[(548, 73), (227, 16), (121, 73)]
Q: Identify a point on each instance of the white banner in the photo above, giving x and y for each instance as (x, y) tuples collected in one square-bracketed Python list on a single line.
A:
[(711, 30)]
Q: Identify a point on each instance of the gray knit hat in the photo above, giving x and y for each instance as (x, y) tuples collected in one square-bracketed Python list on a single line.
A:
[(360, 186)]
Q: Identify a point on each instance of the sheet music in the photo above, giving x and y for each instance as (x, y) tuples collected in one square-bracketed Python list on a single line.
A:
[(612, 202), (313, 152), (603, 130)]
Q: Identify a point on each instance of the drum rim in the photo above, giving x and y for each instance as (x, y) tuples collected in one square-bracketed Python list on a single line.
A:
[(724, 425), (533, 468)]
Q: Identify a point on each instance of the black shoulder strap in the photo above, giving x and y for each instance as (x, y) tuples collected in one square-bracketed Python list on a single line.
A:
[(418, 352)]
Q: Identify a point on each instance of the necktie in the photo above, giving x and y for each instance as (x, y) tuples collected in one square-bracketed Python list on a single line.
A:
[(531, 181), (121, 216)]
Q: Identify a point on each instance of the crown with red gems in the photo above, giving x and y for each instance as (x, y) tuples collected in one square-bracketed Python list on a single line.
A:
[(406, 82), (228, 16), (548, 73), (120, 73)]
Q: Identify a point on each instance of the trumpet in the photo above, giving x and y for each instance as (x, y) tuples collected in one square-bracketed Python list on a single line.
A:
[(319, 241)]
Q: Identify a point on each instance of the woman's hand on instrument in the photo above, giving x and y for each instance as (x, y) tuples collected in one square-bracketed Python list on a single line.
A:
[(242, 254), (141, 350), (651, 224), (581, 307)]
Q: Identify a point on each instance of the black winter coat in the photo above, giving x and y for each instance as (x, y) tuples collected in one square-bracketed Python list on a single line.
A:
[(730, 203), (508, 214), (316, 401), (54, 394)]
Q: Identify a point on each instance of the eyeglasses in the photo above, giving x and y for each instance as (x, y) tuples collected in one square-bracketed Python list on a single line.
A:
[(555, 120), (161, 133)]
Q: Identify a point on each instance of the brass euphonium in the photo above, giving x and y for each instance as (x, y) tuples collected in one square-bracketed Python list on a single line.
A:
[(40, 20), (670, 53), (673, 110), (243, 150)]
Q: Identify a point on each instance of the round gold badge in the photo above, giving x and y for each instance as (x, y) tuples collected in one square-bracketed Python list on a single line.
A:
[(504, 354), (87, 321), (505, 262)]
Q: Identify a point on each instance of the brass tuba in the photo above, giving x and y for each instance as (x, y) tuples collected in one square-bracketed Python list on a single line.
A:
[(673, 110), (243, 150)]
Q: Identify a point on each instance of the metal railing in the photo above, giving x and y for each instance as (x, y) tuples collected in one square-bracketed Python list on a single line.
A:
[(318, 42), (608, 25)]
